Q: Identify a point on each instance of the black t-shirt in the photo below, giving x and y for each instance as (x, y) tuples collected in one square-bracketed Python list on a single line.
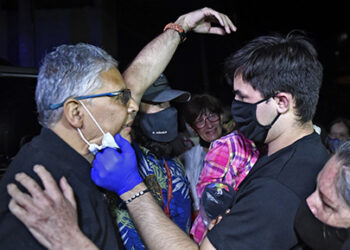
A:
[(61, 160), (263, 213)]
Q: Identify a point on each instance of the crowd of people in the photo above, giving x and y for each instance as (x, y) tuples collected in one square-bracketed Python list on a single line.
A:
[(259, 177)]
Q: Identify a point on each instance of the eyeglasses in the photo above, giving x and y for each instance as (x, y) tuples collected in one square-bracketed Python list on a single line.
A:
[(212, 117), (124, 96)]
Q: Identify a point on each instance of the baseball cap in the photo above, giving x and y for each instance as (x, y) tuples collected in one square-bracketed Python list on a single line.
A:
[(160, 91)]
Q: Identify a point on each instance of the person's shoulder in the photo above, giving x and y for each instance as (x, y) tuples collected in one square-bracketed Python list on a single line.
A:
[(23, 161), (305, 160), (308, 154), (311, 146)]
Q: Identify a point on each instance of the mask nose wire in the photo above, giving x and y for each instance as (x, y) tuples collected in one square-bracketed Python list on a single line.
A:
[(92, 117)]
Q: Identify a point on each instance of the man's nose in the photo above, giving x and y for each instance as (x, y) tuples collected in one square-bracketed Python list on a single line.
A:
[(312, 202), (132, 106)]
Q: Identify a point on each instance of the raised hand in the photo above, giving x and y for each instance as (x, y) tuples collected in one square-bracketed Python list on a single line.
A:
[(201, 20)]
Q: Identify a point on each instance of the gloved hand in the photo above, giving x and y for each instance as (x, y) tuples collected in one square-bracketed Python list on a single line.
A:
[(116, 171)]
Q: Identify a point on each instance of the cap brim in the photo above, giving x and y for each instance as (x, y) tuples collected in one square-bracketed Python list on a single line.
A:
[(168, 95)]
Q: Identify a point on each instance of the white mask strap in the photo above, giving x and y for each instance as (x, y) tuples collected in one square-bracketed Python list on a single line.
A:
[(83, 137), (92, 117)]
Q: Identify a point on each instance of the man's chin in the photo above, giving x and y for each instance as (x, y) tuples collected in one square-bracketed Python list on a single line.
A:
[(125, 133)]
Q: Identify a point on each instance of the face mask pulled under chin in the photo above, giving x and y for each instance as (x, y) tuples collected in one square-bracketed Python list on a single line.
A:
[(244, 114), (315, 234), (107, 140)]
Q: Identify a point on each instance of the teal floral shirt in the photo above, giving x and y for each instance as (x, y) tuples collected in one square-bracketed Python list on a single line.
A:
[(158, 173)]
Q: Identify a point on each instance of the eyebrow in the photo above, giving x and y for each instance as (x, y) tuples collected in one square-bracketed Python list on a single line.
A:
[(324, 198), (240, 94)]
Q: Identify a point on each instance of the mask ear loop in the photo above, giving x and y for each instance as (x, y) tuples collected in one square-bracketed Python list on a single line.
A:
[(278, 115), (92, 117), (83, 137)]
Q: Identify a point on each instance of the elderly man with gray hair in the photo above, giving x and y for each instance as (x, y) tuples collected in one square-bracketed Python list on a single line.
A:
[(83, 101)]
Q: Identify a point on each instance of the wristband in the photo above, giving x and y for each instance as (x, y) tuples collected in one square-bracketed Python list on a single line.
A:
[(178, 28), (136, 196)]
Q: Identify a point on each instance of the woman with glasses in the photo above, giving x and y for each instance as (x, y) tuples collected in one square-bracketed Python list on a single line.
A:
[(227, 159), (202, 114)]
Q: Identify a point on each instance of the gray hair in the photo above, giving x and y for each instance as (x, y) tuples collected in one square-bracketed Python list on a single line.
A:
[(343, 182), (68, 71)]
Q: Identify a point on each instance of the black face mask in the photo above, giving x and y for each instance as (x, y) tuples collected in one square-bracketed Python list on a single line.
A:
[(244, 114), (160, 126), (315, 234)]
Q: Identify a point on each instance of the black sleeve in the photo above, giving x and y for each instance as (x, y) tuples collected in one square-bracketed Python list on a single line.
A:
[(262, 218)]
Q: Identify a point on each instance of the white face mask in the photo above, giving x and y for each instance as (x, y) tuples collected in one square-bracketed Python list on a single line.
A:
[(107, 140)]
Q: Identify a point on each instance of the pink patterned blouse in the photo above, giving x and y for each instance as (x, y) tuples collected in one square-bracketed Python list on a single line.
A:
[(228, 160)]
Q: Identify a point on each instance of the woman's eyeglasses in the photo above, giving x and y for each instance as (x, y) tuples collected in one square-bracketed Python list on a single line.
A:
[(200, 123)]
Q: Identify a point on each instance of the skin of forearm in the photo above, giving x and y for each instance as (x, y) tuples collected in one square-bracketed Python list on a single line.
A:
[(156, 229), (150, 63), (77, 241)]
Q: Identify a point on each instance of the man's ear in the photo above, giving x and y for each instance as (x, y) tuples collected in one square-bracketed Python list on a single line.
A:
[(72, 110), (284, 101)]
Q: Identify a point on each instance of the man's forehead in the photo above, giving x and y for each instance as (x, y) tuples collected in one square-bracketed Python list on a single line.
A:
[(328, 174), (113, 77)]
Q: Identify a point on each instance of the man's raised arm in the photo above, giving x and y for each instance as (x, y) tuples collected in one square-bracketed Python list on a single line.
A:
[(155, 56)]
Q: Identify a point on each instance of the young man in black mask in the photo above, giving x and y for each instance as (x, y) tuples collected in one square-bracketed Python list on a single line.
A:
[(276, 81)]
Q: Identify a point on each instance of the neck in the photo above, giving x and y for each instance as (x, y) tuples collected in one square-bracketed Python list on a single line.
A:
[(72, 138), (204, 144), (288, 136)]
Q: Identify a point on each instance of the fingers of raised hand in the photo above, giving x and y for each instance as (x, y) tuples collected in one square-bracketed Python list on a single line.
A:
[(207, 12), (217, 31), (222, 19), (229, 26)]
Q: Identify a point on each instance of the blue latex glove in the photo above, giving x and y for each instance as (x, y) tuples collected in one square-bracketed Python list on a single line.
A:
[(114, 170)]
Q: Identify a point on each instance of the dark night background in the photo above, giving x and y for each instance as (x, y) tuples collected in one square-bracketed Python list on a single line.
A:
[(30, 28)]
